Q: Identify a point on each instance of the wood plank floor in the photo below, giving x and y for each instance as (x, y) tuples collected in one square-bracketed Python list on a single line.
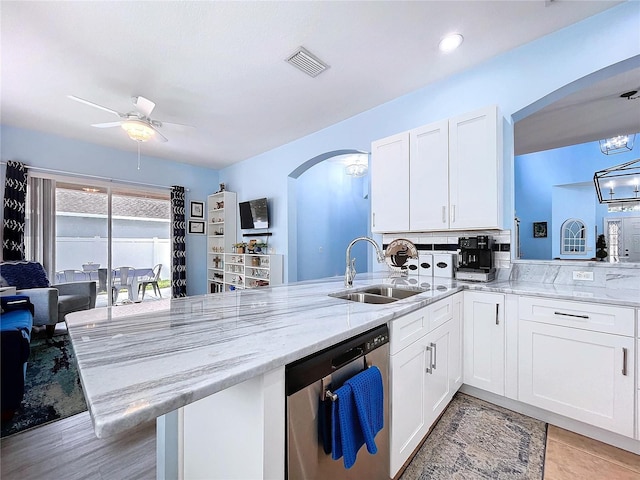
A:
[(68, 449), (570, 456)]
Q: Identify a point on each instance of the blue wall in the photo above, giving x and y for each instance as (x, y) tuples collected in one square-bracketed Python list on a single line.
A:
[(513, 81), (536, 174), (43, 150), (332, 210)]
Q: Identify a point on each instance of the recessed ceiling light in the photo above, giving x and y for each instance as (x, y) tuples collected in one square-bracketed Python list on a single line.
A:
[(450, 42)]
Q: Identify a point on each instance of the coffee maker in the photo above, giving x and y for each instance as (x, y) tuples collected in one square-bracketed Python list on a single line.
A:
[(476, 259)]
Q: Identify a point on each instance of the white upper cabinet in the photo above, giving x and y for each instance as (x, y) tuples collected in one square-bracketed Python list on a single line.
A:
[(390, 202), (475, 170), (445, 175), (428, 180)]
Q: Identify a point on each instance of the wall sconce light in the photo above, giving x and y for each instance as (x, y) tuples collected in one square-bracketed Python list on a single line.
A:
[(617, 144), (620, 183)]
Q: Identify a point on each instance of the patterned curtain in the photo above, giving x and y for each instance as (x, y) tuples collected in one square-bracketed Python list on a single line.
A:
[(178, 233), (15, 194)]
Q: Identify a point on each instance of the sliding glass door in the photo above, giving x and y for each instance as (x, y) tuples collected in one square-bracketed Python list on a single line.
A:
[(118, 236)]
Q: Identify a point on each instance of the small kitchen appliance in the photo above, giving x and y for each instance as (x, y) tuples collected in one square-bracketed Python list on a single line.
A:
[(476, 259)]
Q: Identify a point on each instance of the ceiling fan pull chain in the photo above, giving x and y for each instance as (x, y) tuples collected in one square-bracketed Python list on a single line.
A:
[(138, 142)]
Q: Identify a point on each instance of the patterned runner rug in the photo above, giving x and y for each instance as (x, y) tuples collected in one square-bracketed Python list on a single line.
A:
[(52, 389), (477, 440)]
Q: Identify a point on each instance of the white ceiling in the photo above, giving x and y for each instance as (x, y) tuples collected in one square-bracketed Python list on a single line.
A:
[(219, 66)]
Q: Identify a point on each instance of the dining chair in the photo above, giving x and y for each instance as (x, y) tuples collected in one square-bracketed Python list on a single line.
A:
[(74, 276), (123, 281), (152, 280)]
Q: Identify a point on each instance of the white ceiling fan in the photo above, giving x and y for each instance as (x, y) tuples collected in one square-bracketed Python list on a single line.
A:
[(138, 123)]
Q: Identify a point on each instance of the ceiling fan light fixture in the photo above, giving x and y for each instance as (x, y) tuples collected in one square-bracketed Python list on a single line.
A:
[(617, 144), (138, 130)]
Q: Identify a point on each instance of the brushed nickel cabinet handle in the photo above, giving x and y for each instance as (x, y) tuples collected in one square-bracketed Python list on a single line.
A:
[(497, 314), (435, 356), (624, 361), (374, 219), (429, 369), (444, 214), (570, 315), (453, 214)]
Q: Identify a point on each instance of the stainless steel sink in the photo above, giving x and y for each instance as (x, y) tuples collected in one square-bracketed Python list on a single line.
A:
[(377, 294)]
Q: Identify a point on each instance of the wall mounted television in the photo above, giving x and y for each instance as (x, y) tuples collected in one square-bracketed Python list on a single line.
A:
[(254, 214)]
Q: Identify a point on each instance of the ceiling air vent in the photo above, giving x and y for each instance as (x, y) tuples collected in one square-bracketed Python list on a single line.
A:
[(307, 62)]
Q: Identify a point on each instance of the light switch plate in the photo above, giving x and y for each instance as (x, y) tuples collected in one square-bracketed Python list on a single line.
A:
[(579, 275)]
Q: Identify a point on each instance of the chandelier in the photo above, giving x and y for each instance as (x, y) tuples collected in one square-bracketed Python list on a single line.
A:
[(619, 183), (357, 166), (617, 144)]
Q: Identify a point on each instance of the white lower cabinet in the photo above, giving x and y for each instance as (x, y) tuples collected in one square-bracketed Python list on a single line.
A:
[(581, 374), (484, 341), (424, 378)]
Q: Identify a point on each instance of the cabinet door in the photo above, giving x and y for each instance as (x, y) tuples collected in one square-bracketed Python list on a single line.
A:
[(389, 184), (587, 376), (475, 175), (429, 177), (438, 392), (408, 422), (484, 341)]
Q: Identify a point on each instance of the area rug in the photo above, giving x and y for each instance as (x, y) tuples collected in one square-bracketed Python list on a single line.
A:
[(52, 385), (477, 440)]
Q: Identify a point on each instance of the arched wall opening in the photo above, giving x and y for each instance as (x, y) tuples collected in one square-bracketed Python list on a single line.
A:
[(326, 210)]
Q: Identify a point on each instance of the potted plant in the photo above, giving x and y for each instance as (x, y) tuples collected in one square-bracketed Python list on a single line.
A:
[(239, 247), (601, 245)]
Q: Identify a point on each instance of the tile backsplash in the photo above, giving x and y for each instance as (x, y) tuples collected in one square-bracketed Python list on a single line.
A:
[(448, 242)]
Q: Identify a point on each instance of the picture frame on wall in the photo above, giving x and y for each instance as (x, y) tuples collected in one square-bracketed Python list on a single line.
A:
[(197, 209), (196, 227), (539, 229)]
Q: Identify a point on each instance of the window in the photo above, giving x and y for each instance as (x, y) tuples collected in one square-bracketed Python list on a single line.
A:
[(573, 237)]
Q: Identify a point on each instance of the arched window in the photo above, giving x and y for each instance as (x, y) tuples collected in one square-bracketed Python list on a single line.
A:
[(573, 237)]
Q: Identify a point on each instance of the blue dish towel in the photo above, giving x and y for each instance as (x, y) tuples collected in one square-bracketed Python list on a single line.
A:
[(357, 415)]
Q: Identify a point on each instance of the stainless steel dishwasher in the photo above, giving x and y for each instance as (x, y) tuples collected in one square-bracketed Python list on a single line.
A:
[(309, 411)]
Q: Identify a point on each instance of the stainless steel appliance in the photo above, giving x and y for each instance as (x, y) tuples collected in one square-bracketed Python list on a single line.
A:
[(476, 259), (309, 409)]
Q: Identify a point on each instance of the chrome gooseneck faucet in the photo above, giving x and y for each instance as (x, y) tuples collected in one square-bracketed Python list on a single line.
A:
[(350, 274)]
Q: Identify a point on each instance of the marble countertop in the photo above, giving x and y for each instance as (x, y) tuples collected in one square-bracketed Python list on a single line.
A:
[(138, 362)]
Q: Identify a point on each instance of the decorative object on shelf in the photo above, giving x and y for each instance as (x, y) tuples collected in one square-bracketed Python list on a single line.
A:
[(197, 209), (601, 245), (539, 229), (220, 205), (222, 188), (620, 182), (196, 227), (255, 246), (239, 247), (617, 144)]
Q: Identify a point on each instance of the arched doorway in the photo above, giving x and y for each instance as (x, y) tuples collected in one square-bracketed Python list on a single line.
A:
[(327, 208)]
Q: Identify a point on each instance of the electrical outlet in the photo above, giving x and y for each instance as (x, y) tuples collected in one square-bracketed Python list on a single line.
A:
[(578, 275)]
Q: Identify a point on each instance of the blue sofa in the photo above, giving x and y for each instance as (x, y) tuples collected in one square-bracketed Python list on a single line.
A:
[(51, 302), (16, 320)]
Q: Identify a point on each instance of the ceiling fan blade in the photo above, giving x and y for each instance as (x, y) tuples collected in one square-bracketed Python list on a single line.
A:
[(107, 125), (173, 124), (144, 105), (91, 104), (158, 135)]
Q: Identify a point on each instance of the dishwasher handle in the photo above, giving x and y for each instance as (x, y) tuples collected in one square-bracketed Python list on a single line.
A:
[(346, 358)]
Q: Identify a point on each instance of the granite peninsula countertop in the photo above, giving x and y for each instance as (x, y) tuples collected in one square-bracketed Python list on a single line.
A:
[(138, 362)]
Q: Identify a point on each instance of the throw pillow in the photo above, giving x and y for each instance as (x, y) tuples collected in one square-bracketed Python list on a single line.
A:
[(23, 275)]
